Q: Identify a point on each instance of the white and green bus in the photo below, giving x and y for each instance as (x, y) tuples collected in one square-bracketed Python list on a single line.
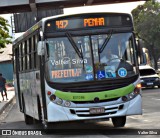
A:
[(62, 73)]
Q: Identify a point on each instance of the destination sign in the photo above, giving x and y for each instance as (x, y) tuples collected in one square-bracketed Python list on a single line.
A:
[(88, 21)]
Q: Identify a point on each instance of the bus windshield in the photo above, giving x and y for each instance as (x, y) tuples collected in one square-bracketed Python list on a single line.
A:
[(98, 57)]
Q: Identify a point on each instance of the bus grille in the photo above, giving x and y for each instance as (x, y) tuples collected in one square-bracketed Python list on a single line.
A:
[(86, 112)]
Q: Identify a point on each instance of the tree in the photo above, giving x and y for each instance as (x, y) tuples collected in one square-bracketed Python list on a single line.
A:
[(147, 26), (5, 38)]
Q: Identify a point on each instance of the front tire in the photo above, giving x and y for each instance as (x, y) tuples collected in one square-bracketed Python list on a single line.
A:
[(119, 121)]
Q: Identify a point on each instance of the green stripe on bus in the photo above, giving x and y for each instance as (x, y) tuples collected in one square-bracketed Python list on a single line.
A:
[(89, 96)]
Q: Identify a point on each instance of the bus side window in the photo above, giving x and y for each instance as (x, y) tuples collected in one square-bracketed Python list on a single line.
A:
[(23, 56), (35, 44), (37, 57), (19, 54), (35, 61), (15, 58), (29, 52), (32, 51)]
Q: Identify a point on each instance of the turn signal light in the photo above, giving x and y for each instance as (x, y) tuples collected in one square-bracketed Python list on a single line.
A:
[(139, 85), (137, 89)]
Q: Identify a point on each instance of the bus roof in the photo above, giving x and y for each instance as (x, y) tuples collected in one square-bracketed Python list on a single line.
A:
[(39, 24)]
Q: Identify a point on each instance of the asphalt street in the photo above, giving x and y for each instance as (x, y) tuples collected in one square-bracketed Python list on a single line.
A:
[(138, 125)]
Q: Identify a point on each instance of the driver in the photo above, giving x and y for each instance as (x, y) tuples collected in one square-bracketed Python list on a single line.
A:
[(109, 57)]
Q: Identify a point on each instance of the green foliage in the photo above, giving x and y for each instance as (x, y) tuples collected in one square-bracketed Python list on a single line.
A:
[(5, 38), (147, 25), (147, 20)]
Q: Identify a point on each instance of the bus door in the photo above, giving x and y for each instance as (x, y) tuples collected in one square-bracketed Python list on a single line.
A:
[(16, 78)]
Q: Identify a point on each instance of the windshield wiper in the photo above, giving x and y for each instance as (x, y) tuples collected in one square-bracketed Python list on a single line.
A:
[(74, 45), (105, 43)]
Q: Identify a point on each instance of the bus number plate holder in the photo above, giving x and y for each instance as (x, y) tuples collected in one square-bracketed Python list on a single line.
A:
[(97, 110)]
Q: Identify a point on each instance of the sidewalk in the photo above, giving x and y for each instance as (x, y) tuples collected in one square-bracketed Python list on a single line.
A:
[(5, 103)]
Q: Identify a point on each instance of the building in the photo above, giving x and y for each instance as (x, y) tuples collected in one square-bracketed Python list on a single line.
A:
[(6, 66)]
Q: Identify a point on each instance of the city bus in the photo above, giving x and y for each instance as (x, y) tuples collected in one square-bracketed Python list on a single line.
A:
[(61, 71)]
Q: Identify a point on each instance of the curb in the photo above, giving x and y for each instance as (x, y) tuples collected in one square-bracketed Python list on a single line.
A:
[(6, 105)]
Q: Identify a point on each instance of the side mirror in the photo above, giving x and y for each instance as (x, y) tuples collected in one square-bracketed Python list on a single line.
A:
[(41, 48)]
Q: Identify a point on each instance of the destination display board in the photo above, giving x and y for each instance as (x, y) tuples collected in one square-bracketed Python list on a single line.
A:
[(88, 21)]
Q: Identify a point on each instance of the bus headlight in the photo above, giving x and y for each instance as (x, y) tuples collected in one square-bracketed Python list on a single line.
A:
[(67, 103), (124, 98), (133, 94), (59, 101), (52, 97)]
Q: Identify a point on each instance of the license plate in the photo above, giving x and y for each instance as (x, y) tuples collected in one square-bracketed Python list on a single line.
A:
[(150, 83), (97, 110)]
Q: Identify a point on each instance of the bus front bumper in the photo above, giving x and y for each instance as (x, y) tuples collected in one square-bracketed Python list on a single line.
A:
[(58, 113)]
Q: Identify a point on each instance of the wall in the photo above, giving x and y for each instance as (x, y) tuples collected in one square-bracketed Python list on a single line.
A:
[(6, 68)]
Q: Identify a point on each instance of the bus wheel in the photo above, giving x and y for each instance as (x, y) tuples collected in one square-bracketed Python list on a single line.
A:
[(119, 121)]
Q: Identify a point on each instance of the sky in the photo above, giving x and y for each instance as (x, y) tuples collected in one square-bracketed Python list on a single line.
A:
[(121, 7)]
